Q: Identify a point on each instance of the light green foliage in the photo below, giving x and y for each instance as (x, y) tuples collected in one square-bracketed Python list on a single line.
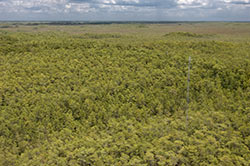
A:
[(109, 99)]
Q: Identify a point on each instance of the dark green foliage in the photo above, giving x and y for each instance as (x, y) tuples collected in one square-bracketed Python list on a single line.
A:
[(101, 36), (186, 34), (72, 100)]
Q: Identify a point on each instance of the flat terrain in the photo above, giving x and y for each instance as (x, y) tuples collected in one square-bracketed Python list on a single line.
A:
[(221, 30), (115, 94)]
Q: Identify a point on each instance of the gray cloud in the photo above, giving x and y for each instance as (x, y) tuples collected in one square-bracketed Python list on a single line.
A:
[(240, 3), (125, 10), (134, 3)]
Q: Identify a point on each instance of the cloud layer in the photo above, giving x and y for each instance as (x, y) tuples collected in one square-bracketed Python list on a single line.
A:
[(125, 10)]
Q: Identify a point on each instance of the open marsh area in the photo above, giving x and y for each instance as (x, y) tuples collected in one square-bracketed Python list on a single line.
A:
[(115, 94)]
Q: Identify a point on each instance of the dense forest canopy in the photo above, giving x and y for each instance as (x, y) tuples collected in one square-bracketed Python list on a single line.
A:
[(120, 99)]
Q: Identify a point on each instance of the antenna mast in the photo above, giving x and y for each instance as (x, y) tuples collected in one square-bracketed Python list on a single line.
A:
[(188, 82)]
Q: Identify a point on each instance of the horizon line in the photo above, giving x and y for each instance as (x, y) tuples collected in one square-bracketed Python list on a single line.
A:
[(114, 21)]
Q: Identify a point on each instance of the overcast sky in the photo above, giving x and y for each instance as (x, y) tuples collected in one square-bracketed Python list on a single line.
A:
[(126, 10)]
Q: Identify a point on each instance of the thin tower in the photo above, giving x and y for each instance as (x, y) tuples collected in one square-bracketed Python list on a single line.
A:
[(188, 82)]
